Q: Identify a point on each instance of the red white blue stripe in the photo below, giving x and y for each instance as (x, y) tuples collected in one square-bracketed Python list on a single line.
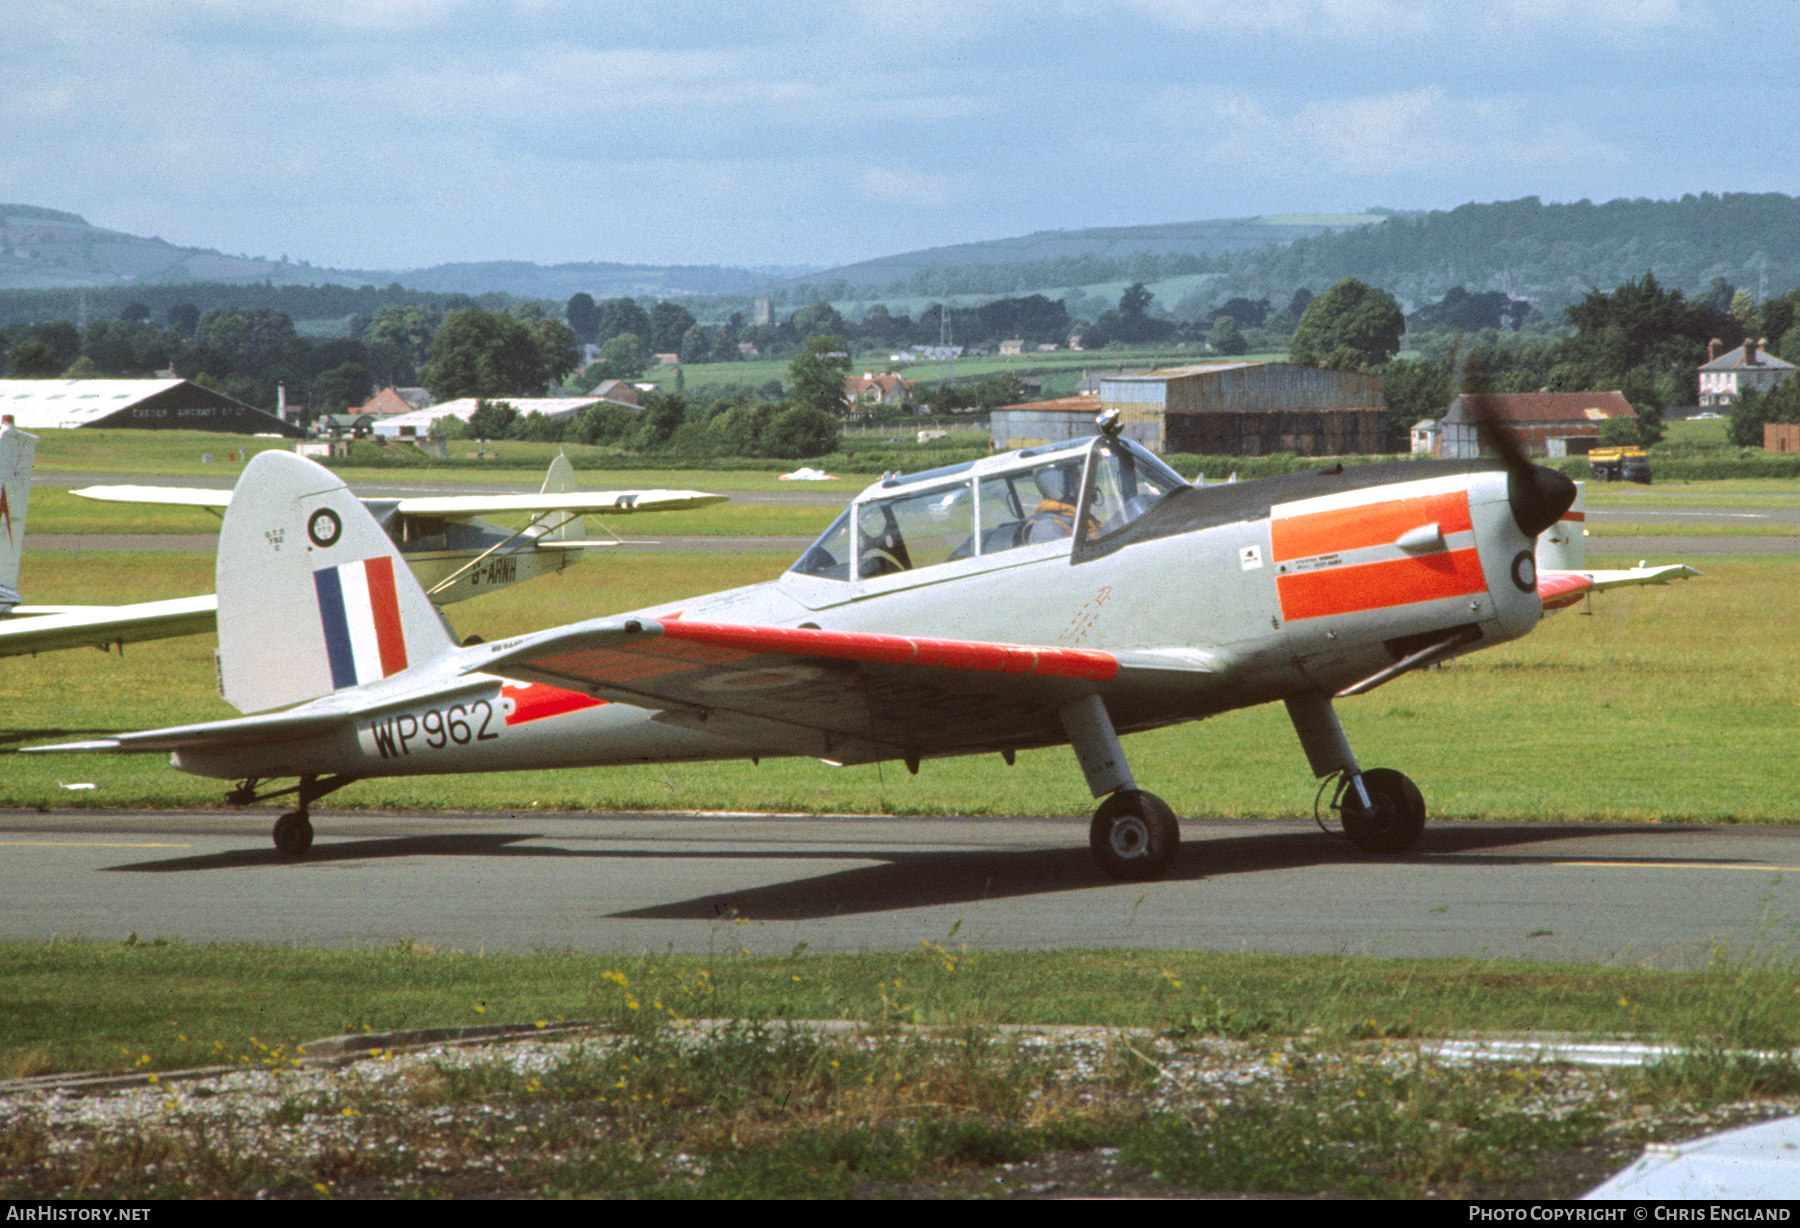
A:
[(361, 617)]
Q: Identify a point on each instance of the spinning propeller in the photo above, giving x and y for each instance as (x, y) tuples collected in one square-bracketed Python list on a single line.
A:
[(1538, 495)]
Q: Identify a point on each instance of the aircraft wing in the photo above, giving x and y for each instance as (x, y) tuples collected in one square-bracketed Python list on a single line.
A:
[(446, 507), (864, 694), (173, 496), (580, 503), (47, 628)]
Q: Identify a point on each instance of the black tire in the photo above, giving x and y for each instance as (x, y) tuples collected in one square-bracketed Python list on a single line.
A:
[(293, 834), (1134, 836), (1396, 822)]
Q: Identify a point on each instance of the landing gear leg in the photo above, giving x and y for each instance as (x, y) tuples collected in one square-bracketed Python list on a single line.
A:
[(1134, 835), (293, 832), (1381, 810)]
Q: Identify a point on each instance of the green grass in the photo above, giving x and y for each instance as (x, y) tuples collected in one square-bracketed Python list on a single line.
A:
[(1695, 433), (1244, 1074), (159, 1005)]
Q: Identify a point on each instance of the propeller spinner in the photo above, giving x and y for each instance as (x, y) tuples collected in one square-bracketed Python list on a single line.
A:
[(1538, 495)]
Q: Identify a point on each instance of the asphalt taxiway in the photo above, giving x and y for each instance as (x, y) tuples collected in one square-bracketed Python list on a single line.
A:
[(1663, 895)]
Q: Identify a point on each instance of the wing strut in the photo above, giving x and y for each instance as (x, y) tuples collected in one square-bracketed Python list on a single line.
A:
[(536, 520)]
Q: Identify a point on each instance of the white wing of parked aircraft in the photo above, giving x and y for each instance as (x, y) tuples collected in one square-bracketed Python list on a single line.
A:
[(446, 539), (443, 539)]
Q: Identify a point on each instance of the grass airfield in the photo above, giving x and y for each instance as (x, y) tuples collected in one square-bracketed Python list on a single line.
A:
[(1667, 704)]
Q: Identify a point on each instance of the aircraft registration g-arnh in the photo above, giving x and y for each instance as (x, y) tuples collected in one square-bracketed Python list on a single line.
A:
[(442, 538), (1064, 594)]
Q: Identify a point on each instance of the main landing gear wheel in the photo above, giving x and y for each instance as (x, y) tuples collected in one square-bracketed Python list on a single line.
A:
[(293, 834), (1395, 822), (1135, 836)]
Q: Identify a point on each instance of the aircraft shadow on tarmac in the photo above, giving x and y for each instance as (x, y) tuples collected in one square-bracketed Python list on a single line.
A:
[(909, 879)]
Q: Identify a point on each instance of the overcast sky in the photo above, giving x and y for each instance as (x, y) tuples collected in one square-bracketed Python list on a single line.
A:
[(393, 133)]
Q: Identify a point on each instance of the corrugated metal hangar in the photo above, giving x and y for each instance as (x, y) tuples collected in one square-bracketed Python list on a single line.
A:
[(1220, 409), (137, 404)]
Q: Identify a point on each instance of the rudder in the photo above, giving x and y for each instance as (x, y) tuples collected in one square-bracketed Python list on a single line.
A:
[(313, 596), (1563, 546)]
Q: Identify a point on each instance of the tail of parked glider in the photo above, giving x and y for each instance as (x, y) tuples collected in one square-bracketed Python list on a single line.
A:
[(17, 452), (313, 596)]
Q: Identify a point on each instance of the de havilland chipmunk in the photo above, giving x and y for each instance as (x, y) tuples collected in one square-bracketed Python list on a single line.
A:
[(444, 539), (1064, 594)]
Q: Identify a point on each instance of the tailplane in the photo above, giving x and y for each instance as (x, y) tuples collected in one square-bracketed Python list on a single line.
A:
[(17, 452), (313, 596)]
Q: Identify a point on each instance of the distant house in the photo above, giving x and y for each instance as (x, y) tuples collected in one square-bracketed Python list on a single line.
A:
[(391, 400), (1748, 366), (872, 389), (1546, 423), (617, 391)]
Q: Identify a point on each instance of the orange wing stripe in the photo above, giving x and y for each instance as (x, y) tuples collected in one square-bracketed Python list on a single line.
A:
[(1083, 663)]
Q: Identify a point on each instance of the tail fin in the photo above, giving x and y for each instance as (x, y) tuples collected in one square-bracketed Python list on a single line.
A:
[(1563, 546), (17, 452), (561, 481), (313, 596)]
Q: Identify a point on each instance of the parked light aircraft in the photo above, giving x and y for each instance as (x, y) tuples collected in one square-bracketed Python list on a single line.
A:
[(442, 539), (453, 551), (1064, 594)]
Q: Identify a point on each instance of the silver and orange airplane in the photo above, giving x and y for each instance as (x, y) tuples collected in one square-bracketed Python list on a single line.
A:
[(1064, 594)]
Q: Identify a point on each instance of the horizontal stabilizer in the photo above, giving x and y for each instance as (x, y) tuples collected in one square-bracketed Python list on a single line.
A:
[(211, 735), (1640, 575)]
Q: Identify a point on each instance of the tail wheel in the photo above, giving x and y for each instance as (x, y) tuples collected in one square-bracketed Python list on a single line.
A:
[(1134, 836), (293, 834), (1397, 816)]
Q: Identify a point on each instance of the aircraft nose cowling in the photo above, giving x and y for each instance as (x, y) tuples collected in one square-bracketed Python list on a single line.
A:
[(1539, 496)]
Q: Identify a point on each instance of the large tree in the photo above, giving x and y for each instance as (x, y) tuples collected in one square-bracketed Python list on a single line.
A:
[(621, 315), (583, 316), (484, 354), (1349, 327), (669, 323), (818, 373)]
